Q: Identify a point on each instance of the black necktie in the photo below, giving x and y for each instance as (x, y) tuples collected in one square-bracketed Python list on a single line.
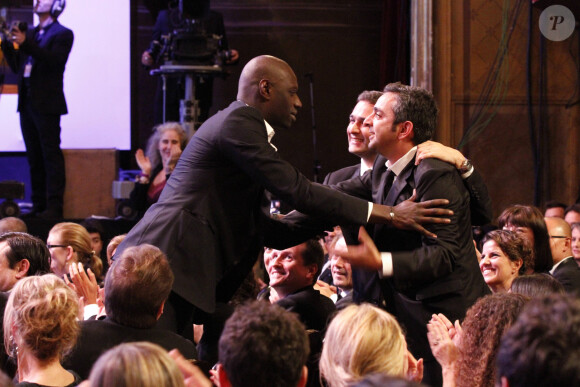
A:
[(388, 184)]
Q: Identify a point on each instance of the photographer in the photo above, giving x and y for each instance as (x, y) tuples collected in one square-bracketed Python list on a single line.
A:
[(208, 22), (40, 61)]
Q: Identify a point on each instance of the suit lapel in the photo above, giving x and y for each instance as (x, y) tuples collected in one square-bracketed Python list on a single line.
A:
[(404, 179)]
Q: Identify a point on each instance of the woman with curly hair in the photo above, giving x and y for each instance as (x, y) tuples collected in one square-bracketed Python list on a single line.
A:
[(528, 222), (467, 353), (40, 327), (504, 256), (70, 243), (363, 339)]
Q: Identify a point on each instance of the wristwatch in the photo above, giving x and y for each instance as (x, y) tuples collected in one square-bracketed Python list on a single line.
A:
[(465, 166)]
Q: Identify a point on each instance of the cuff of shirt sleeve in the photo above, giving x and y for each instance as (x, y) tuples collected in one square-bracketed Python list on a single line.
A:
[(90, 311), (370, 211), (387, 259)]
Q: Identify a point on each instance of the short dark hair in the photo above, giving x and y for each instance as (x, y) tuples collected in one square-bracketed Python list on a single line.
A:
[(93, 225), (542, 348), (417, 105), (370, 96), (530, 216), (573, 207), (313, 254), (555, 204), (263, 345), (536, 285), (25, 246), (513, 246), (136, 285)]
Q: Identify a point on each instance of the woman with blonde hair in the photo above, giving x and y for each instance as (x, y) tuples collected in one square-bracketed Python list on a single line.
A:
[(70, 243), (40, 327), (361, 340), (138, 364)]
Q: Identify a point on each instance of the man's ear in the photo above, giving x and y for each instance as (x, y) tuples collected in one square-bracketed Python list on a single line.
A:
[(160, 311), (223, 377), (312, 269), (22, 268), (264, 87), (504, 382), (406, 130), (303, 377)]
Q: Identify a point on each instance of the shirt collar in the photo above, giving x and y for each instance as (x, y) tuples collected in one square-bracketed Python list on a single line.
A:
[(363, 167), (398, 166), (270, 132)]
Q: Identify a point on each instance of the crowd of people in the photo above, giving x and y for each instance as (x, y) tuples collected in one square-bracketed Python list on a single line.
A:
[(374, 279)]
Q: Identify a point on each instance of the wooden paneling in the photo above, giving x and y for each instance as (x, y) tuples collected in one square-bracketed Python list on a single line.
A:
[(89, 178), (466, 39)]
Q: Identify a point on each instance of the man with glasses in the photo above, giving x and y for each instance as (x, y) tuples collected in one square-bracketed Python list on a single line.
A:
[(565, 269)]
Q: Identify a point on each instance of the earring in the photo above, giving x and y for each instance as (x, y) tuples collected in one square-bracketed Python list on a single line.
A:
[(13, 348)]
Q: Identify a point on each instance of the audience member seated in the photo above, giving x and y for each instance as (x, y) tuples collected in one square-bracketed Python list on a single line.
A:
[(70, 243), (554, 209), (565, 268), (12, 224), (341, 274), (572, 213), (112, 247), (42, 313), (157, 163), (542, 348), (467, 353), (504, 256), (21, 255), (576, 242), (536, 285), (528, 221), (139, 364), (361, 340), (293, 273), (262, 345), (136, 288), (96, 233)]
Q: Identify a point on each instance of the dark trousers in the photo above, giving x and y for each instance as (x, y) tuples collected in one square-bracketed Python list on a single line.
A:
[(41, 133)]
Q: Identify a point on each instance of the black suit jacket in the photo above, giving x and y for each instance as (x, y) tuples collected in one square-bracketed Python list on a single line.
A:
[(97, 336), (430, 275), (49, 58), (568, 274), (313, 309), (342, 174), (209, 220)]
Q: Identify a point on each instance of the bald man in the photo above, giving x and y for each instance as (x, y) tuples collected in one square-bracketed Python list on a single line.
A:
[(565, 269), (209, 220)]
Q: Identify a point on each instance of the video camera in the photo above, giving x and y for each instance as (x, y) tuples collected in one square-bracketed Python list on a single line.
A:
[(190, 43)]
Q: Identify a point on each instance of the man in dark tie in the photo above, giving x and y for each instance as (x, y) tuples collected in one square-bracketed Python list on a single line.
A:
[(209, 219), (418, 275), (40, 62)]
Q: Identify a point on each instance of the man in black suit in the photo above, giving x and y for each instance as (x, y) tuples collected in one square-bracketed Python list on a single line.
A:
[(209, 220), (420, 275), (358, 139), (565, 268), (40, 62), (136, 288), (292, 273)]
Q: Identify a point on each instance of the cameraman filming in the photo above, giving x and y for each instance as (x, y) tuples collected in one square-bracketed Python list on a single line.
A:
[(39, 60), (169, 20)]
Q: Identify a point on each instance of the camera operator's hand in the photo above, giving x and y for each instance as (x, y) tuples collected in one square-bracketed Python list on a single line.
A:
[(16, 35), (147, 59)]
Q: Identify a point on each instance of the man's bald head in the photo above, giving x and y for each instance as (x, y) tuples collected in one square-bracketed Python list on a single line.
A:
[(268, 84), (560, 238)]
